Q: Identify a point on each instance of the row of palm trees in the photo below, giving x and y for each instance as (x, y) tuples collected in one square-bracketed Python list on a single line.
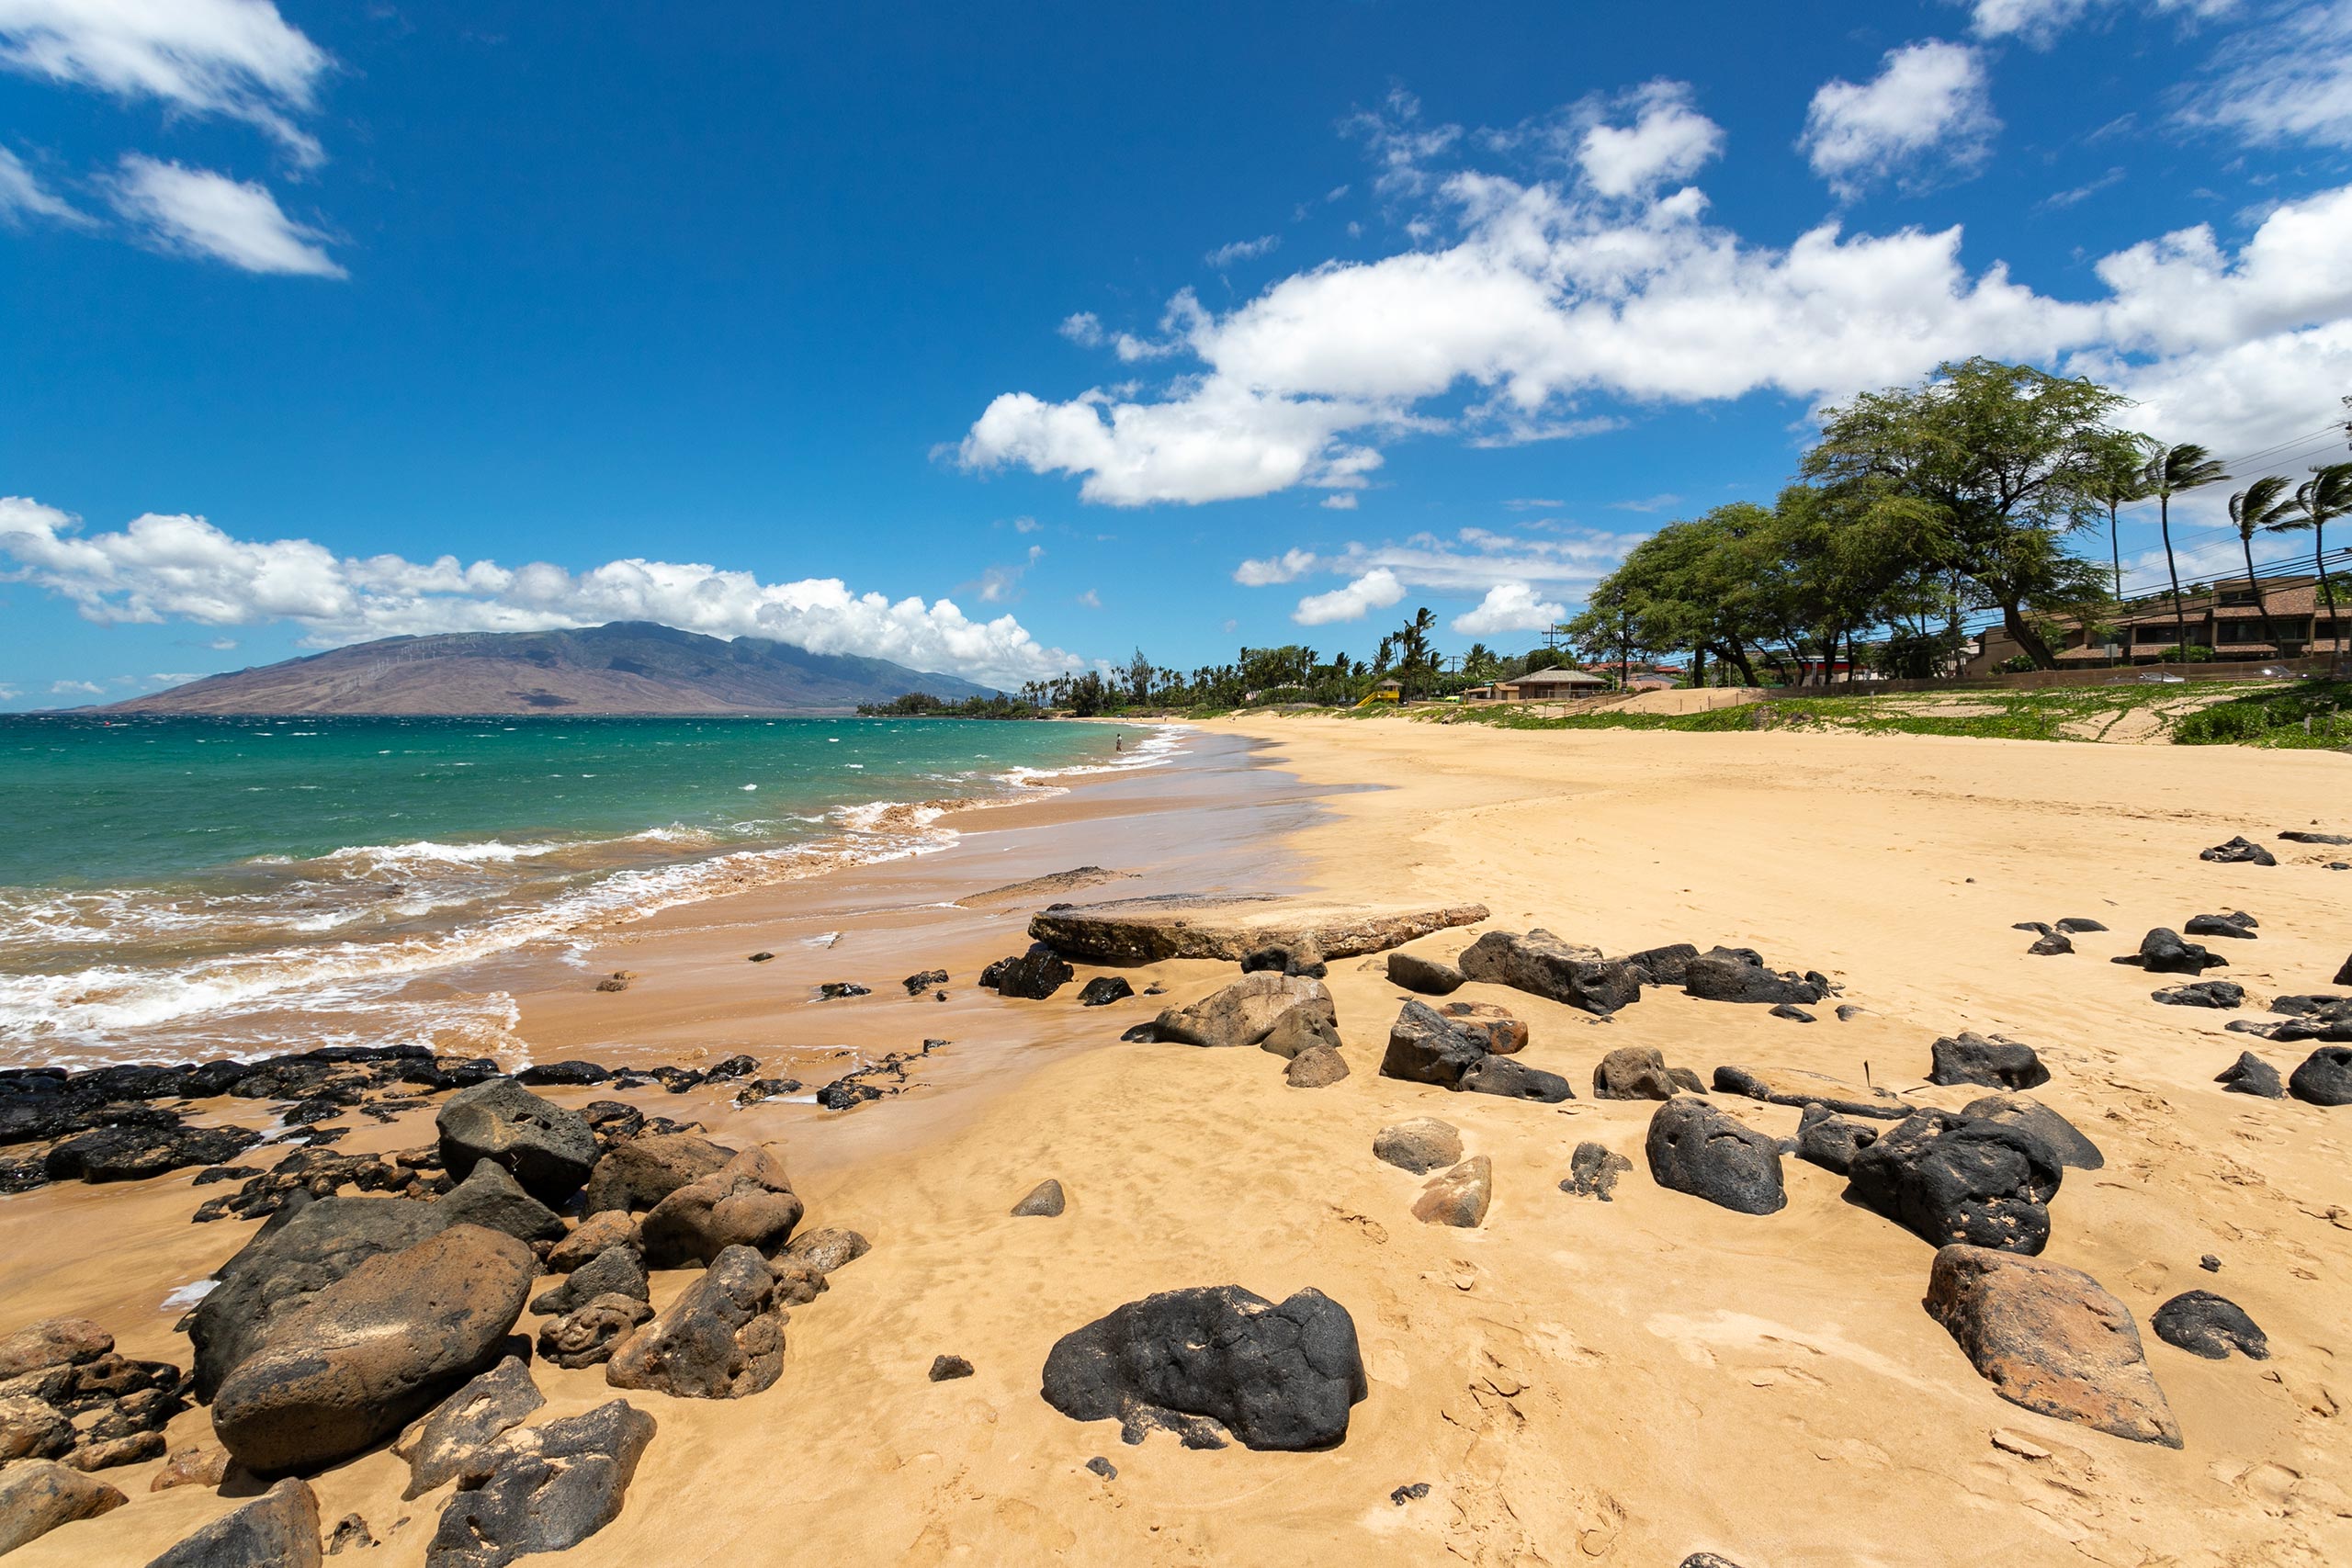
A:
[(2266, 506)]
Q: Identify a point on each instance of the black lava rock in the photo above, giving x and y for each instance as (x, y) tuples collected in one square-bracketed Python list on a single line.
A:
[(2222, 994), (2237, 924), (2205, 1325), (1425, 975), (1035, 975), (1104, 989), (1995, 1063), (2239, 851), (2051, 945), (2298, 838), (1283, 961), (946, 1368), (1513, 1079), (1696, 1148), (1948, 1178), (2079, 924), (841, 990), (2251, 1075), (1593, 1171), (1276, 1377), (1425, 1046), (1736, 975), (131, 1153), (2163, 953), (2326, 1077), (917, 985), (2062, 1137), (1831, 1141)]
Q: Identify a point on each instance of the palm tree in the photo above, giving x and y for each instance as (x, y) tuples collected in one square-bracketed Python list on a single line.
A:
[(2322, 498), (2119, 477), (2259, 509), (2168, 471)]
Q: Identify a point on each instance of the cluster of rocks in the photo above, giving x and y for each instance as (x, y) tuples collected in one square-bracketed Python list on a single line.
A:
[(67, 1396)]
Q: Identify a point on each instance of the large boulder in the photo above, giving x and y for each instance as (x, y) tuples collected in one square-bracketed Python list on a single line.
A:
[(1667, 965), (373, 1350), (467, 1425), (636, 1174), (1276, 1377), (2324, 1077), (1700, 1149), (1420, 1145), (278, 1530), (1543, 965), (1793, 1087), (52, 1342), (1149, 930), (1948, 1178), (1424, 1046), (2050, 1340), (1426, 976), (1243, 1014), (552, 1488), (722, 1339), (134, 1153), (1995, 1063), (493, 1199), (2027, 1115), (747, 1203), (299, 1253), (2205, 1325), (37, 1495), (1459, 1197), (549, 1149)]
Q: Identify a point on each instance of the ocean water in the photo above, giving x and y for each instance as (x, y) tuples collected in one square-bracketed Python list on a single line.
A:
[(175, 887)]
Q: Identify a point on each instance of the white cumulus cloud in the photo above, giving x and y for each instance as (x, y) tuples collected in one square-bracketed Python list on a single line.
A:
[(2040, 22), (163, 569), (1928, 112), (1288, 567), (203, 213), (1376, 589), (1668, 140), (234, 58), (1510, 607)]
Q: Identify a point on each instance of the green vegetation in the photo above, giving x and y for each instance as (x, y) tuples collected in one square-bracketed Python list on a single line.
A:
[(2310, 713)]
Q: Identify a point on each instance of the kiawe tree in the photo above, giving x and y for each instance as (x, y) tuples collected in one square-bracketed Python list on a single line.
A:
[(2008, 456)]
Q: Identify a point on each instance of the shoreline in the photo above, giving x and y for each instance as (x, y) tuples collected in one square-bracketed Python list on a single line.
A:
[(1620, 1384)]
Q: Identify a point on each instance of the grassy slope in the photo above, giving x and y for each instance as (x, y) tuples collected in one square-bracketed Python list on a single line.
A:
[(2250, 713)]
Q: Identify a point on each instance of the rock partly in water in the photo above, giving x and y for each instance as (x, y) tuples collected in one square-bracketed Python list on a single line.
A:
[(1425, 976), (2029, 1115), (553, 1487), (459, 1432), (1149, 930), (1541, 964), (2251, 1075), (720, 1339), (1243, 1014), (1276, 1377), (1420, 1145), (546, 1149), (1593, 1171), (1044, 1200), (278, 1530), (1459, 1197), (2324, 1077), (1948, 1178), (1318, 1066), (372, 1350), (2239, 851), (1699, 1149), (37, 1495), (2205, 1325), (2050, 1340), (749, 1202), (1995, 1063)]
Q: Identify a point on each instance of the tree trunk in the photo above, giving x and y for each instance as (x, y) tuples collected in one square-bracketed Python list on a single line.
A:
[(1698, 666), (2261, 600), (2179, 617), (2327, 591), (2115, 550), (2013, 621)]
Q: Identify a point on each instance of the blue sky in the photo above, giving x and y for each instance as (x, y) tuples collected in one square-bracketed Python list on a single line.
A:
[(998, 339)]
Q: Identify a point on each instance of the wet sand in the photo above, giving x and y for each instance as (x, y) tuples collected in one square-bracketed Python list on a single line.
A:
[(1575, 1382)]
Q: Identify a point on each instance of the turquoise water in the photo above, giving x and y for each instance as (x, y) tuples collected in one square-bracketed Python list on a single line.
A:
[(173, 886)]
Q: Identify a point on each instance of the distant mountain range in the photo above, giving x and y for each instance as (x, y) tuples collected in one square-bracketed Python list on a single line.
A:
[(628, 667)]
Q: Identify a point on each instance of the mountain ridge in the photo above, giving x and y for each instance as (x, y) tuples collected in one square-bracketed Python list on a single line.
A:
[(620, 668)]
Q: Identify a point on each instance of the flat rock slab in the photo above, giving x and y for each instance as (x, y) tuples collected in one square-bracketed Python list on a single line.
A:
[(1189, 925), (2049, 1339), (1791, 1086), (1038, 889)]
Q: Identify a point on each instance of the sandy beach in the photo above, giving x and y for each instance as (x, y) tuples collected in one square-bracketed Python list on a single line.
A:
[(1574, 1381)]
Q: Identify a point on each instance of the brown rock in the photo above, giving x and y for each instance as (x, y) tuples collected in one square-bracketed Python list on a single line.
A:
[(720, 1339), (747, 1203), (54, 1342), (1459, 1197), (1504, 1034), (374, 1349), (32, 1428), (1317, 1069), (1303, 1027), (1146, 930), (104, 1453), (638, 1174), (826, 1250), (587, 1335), (1243, 1014), (1046, 1200), (2049, 1339), (1794, 1087), (612, 1227), (37, 1495), (1420, 1145), (201, 1465), (1633, 1072)]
